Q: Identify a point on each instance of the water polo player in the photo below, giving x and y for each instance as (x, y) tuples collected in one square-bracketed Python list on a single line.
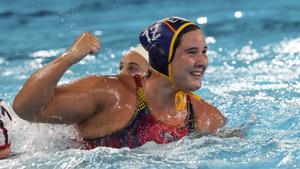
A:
[(125, 110)]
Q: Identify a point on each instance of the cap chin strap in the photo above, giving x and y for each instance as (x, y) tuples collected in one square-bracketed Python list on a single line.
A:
[(180, 100), (4, 130)]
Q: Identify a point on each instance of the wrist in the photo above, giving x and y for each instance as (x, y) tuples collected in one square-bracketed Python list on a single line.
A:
[(67, 59)]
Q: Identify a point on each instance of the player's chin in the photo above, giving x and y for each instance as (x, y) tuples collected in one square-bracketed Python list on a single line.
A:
[(195, 87), (194, 83)]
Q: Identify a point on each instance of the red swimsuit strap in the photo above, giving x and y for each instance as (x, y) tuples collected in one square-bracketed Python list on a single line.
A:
[(4, 130), (138, 80)]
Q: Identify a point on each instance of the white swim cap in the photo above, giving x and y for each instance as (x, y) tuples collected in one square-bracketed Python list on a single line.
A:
[(141, 51)]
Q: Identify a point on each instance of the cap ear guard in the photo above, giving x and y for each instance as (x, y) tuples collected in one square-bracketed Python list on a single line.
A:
[(159, 58)]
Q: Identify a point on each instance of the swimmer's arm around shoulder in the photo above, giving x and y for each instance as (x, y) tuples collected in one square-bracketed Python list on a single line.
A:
[(41, 90)]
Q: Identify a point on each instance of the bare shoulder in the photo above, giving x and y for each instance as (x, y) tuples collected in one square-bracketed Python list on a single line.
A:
[(208, 117), (79, 100), (95, 83), (100, 85)]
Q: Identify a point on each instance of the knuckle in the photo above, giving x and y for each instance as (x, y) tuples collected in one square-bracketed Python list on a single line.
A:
[(86, 34)]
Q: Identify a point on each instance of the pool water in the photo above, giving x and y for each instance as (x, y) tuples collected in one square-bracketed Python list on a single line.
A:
[(253, 78)]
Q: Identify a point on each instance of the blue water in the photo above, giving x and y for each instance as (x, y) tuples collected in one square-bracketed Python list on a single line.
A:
[(253, 78)]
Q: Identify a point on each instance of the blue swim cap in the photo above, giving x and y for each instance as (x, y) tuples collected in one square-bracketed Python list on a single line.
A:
[(159, 39)]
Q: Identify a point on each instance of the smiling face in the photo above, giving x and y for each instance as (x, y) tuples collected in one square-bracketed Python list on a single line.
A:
[(132, 63), (190, 61)]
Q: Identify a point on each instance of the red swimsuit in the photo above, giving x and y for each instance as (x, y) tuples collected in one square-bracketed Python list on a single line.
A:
[(143, 127)]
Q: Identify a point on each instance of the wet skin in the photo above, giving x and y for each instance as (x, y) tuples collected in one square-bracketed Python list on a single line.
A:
[(190, 61), (101, 105)]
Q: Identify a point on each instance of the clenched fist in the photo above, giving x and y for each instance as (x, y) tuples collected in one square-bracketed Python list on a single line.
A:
[(86, 43)]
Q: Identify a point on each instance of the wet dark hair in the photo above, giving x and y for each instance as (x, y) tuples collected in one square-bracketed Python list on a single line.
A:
[(180, 35)]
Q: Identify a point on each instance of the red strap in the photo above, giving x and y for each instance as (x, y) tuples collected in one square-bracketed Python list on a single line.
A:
[(4, 130), (5, 146), (137, 80)]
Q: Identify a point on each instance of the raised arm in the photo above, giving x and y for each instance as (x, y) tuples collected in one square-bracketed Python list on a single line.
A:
[(41, 100)]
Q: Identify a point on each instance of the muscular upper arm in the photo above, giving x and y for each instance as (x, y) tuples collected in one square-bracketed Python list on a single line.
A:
[(208, 117), (75, 102)]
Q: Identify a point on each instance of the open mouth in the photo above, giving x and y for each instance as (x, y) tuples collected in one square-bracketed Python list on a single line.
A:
[(197, 74)]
